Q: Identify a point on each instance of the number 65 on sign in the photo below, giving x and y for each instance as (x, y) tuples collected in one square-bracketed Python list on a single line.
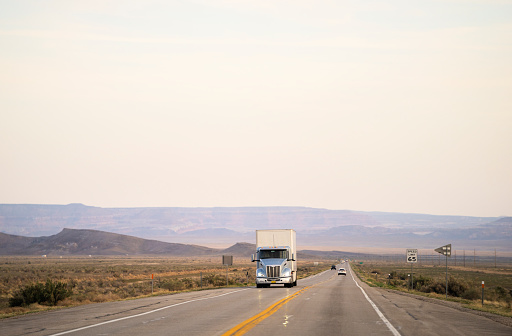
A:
[(412, 255)]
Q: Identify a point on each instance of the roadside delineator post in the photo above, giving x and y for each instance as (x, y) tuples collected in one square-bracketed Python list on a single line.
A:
[(483, 293), (152, 280)]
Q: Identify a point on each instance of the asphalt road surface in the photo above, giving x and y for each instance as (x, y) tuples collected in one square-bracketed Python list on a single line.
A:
[(326, 304)]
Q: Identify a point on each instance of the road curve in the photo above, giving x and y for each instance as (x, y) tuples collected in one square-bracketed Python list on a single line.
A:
[(326, 304)]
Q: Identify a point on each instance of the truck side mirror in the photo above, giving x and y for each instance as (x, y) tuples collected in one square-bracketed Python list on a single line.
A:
[(254, 258), (293, 258)]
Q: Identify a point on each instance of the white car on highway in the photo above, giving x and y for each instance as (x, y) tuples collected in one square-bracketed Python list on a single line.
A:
[(342, 271)]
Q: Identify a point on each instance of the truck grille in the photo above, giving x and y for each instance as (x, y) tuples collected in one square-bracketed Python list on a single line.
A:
[(273, 271)]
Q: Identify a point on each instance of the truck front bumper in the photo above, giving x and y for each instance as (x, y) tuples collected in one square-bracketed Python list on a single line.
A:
[(269, 281)]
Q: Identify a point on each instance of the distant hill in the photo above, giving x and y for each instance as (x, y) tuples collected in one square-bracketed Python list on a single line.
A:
[(241, 249), (36, 219), (93, 242), (332, 229), (99, 243), (493, 235), (12, 243)]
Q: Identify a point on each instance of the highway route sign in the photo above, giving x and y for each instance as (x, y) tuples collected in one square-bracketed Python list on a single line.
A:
[(412, 255), (445, 250)]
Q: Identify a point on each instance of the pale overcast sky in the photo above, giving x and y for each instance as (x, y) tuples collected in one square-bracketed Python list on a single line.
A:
[(402, 106)]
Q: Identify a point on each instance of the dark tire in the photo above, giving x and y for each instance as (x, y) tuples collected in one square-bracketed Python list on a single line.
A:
[(259, 286)]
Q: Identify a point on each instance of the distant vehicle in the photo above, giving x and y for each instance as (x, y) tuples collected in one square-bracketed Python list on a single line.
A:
[(333, 267), (342, 271)]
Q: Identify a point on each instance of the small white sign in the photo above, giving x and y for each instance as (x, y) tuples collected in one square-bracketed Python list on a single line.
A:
[(412, 255)]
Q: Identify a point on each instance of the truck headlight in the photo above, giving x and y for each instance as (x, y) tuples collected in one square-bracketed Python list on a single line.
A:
[(260, 272), (287, 272)]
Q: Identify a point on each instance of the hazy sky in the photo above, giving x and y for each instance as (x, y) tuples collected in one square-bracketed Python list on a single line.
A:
[(401, 106)]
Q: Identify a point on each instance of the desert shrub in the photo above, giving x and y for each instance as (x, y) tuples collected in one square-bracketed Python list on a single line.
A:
[(56, 291), (106, 297), (434, 287), (471, 294), (188, 283), (397, 276), (214, 280), (27, 295), (396, 283), (457, 287), (49, 293), (421, 281), (302, 269), (172, 285), (501, 293)]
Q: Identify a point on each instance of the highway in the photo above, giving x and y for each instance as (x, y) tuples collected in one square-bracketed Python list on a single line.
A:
[(325, 304)]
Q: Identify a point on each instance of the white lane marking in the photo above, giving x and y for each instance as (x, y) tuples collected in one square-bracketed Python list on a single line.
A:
[(382, 317), (141, 314)]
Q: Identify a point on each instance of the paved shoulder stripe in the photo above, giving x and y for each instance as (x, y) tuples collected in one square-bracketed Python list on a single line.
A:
[(382, 317)]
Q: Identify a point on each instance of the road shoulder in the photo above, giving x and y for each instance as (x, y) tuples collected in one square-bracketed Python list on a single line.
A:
[(507, 321)]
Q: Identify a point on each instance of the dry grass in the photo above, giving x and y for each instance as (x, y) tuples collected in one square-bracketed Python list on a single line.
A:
[(119, 278)]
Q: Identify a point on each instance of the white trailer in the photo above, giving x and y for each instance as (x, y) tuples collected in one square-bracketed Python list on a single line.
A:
[(276, 258)]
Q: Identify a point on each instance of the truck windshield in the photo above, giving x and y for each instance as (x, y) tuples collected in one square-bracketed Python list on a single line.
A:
[(277, 254)]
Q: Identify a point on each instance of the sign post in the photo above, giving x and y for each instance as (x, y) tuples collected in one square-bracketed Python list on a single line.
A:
[(447, 252), (412, 257), (228, 261)]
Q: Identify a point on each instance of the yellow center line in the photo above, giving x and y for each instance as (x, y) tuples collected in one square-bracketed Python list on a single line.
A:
[(250, 323)]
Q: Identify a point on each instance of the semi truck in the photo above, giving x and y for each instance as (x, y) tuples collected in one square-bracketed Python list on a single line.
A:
[(276, 258)]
